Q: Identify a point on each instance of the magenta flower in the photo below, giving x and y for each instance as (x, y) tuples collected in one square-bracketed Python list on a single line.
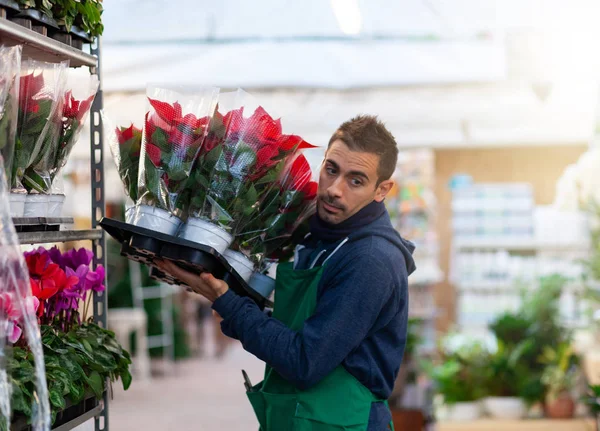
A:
[(95, 279)]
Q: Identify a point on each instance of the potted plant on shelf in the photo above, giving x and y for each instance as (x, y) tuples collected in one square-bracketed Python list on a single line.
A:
[(559, 377), (459, 379), (592, 400), (79, 355), (506, 378)]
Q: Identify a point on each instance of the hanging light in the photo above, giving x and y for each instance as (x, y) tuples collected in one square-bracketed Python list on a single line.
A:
[(348, 16)]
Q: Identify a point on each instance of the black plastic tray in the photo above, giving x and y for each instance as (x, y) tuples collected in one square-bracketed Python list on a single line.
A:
[(78, 33), (10, 4), (144, 245), (38, 16)]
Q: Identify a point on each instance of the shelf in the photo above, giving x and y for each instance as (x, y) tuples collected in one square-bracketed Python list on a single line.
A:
[(515, 287), (58, 236), (518, 425), (41, 47), (80, 419), (515, 245), (39, 221)]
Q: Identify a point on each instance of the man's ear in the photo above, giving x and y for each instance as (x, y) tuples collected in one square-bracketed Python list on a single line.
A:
[(383, 189)]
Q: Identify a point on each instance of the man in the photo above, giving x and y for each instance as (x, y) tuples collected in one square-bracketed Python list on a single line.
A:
[(334, 343)]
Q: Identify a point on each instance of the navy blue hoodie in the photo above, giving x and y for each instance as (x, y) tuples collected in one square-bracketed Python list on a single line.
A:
[(360, 321)]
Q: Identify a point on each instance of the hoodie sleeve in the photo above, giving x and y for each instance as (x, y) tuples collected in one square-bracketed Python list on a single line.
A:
[(354, 292)]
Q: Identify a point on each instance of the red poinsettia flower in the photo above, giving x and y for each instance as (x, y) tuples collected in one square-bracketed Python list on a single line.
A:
[(234, 122), (264, 127), (166, 111), (29, 86), (76, 109), (124, 135)]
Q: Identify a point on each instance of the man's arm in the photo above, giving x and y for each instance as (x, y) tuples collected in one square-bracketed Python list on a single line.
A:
[(353, 298)]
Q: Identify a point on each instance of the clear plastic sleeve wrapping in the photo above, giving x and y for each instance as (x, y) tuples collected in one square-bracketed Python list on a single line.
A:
[(125, 144), (10, 67), (41, 98), (18, 321), (244, 154), (78, 99), (175, 129)]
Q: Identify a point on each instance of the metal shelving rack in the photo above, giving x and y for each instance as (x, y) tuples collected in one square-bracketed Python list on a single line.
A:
[(40, 47)]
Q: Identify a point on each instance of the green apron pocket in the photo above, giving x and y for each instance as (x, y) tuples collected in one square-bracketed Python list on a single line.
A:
[(279, 411), (258, 404), (346, 416)]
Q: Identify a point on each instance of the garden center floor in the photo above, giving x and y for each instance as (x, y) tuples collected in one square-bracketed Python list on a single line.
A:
[(200, 395)]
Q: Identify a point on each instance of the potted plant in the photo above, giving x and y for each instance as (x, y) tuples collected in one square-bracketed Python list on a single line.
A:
[(537, 319), (592, 400), (506, 378), (460, 379), (559, 377)]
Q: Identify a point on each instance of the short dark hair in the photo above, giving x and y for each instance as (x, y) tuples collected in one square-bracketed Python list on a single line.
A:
[(367, 134)]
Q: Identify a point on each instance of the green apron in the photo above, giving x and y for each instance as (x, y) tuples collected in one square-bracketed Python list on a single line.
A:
[(338, 402)]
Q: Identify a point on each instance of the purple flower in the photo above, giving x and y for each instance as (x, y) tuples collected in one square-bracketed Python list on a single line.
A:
[(75, 258), (56, 256), (95, 279)]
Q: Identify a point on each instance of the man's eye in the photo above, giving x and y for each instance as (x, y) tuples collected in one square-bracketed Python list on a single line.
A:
[(356, 182), (330, 171)]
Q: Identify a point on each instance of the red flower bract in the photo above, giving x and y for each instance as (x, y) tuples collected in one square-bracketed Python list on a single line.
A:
[(154, 153), (30, 85), (299, 174), (124, 135), (166, 111)]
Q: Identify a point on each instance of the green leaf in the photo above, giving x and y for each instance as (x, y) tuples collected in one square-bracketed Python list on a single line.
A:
[(57, 400), (251, 196), (96, 383), (76, 392), (87, 346), (160, 139), (126, 379)]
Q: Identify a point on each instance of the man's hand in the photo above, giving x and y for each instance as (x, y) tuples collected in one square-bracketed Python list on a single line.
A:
[(204, 284)]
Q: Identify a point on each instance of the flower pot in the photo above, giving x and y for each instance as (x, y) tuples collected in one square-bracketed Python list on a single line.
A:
[(155, 219), (129, 213), (206, 233), (17, 204), (505, 407), (561, 407), (468, 411), (55, 205), (242, 265), (36, 205), (262, 284)]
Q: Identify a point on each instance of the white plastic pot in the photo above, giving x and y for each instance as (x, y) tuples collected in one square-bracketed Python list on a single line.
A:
[(55, 205), (505, 407), (262, 284), (129, 214), (155, 219), (206, 233), (36, 205), (243, 266), (17, 204), (464, 411)]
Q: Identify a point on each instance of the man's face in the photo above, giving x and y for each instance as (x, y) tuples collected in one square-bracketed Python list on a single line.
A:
[(348, 183)]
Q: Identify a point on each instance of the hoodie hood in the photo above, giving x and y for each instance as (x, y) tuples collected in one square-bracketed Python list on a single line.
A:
[(382, 227)]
